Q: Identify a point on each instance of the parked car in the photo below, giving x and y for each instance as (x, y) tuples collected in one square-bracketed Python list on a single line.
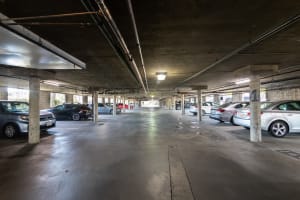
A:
[(14, 118), (225, 112), (105, 108), (242, 116), (121, 106), (206, 108), (281, 118), (71, 112)]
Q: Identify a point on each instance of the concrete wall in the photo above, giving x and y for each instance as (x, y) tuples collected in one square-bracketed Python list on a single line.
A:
[(285, 94), (3, 93), (44, 100)]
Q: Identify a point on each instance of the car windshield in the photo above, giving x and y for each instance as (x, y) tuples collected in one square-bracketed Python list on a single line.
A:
[(15, 106)]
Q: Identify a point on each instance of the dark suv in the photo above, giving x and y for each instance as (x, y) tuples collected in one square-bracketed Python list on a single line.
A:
[(14, 118), (71, 112)]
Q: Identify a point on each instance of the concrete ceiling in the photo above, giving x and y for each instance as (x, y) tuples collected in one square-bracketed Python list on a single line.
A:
[(179, 37)]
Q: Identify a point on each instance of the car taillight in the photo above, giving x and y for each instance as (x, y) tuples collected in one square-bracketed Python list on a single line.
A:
[(221, 110), (248, 113)]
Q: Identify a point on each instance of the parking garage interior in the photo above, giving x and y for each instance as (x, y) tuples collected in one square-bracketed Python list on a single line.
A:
[(156, 66)]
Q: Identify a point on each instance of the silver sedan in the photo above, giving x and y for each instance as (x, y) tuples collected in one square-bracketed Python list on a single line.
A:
[(281, 118)]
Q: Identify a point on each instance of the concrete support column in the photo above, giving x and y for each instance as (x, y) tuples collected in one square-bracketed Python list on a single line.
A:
[(103, 100), (199, 103), (85, 99), (34, 111), (237, 97), (69, 98), (203, 98), (255, 110), (217, 99), (114, 106), (95, 106), (109, 100), (182, 105), (3, 93), (123, 99), (44, 99)]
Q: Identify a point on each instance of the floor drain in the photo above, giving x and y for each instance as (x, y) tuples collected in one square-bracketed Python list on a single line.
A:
[(290, 153)]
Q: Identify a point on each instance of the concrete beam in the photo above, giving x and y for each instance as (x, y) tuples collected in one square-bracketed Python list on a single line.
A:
[(26, 73), (254, 70), (199, 87)]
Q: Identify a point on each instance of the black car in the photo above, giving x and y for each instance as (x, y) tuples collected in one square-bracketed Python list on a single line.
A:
[(71, 112)]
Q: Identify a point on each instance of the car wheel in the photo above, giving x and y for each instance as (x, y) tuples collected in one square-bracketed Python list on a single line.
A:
[(246, 127), (75, 117), (232, 122), (10, 130), (111, 111), (279, 129)]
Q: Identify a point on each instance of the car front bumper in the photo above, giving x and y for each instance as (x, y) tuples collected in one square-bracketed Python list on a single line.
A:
[(44, 125)]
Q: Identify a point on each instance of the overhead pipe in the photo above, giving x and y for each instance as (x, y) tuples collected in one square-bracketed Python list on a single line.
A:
[(260, 38), (106, 14), (137, 40), (109, 37), (111, 32), (48, 16)]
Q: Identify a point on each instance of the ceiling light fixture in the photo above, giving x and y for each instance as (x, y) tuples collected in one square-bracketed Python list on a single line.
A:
[(247, 80), (161, 75)]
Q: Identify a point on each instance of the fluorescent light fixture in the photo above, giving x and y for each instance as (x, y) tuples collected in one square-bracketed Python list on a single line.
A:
[(247, 80), (161, 75), (51, 83)]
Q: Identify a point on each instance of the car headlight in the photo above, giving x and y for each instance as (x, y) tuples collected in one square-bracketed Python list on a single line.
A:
[(24, 117)]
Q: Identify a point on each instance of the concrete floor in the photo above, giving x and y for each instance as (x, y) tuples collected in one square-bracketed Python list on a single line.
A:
[(149, 155)]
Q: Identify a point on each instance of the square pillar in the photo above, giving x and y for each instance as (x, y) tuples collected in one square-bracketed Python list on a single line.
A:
[(182, 105), (44, 100), (85, 99), (3, 93), (34, 111), (69, 98), (199, 103), (95, 106), (114, 106), (255, 110), (217, 99)]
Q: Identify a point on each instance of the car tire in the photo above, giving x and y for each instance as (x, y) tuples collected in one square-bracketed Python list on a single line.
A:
[(10, 130), (110, 112), (75, 117), (232, 122), (279, 129), (246, 127)]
